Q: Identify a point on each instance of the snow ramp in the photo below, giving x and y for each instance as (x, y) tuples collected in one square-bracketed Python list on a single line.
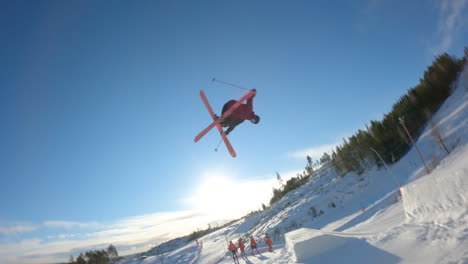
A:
[(441, 196), (314, 246)]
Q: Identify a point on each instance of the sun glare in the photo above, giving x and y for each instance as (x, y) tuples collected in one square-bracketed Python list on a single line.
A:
[(226, 196), (214, 193)]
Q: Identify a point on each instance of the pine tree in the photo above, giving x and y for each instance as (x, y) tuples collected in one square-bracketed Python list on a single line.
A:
[(80, 259), (112, 252), (325, 158), (310, 166), (465, 57), (279, 179)]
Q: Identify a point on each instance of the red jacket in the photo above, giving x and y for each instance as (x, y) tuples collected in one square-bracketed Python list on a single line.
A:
[(232, 247), (243, 112), (253, 243), (268, 240), (241, 245)]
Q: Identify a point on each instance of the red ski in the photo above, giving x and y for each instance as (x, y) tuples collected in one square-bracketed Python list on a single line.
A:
[(216, 122)]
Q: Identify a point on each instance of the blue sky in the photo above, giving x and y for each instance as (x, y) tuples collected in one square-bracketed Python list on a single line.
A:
[(99, 104)]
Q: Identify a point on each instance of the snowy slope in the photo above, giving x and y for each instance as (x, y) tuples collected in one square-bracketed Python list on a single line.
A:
[(363, 219)]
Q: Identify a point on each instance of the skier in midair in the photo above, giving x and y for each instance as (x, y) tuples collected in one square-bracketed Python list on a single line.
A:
[(239, 115)]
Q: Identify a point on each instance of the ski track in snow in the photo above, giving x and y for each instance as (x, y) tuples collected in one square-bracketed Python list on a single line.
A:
[(363, 219)]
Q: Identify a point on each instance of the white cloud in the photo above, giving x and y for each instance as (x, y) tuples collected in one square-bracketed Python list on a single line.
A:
[(69, 225), (129, 235), (16, 248), (17, 228), (313, 152), (451, 21), (289, 174)]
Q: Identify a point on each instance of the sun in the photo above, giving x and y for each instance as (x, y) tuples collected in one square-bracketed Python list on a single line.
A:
[(226, 196), (215, 193)]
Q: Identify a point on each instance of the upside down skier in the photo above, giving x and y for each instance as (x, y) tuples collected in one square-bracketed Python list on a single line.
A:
[(239, 115)]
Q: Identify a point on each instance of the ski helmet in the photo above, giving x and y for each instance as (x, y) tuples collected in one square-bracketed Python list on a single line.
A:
[(255, 120)]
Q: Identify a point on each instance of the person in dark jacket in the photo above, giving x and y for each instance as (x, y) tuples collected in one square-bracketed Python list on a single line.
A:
[(239, 115)]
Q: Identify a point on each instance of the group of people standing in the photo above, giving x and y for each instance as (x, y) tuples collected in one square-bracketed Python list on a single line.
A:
[(253, 245)]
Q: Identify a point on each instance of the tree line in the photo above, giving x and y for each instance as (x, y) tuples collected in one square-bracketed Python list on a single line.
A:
[(97, 256), (413, 110), (387, 137)]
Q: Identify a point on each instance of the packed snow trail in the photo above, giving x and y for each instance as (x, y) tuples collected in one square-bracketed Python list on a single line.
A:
[(195, 258), (429, 226)]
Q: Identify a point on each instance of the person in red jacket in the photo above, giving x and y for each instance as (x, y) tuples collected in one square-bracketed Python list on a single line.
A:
[(268, 242), (253, 245), (233, 250), (240, 244), (239, 115)]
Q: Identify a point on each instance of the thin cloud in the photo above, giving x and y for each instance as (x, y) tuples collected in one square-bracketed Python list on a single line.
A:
[(451, 21), (314, 152), (17, 228), (128, 235), (69, 225), (61, 236), (157, 218)]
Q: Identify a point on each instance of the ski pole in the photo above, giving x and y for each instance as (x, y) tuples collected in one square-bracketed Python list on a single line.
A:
[(216, 149), (230, 84)]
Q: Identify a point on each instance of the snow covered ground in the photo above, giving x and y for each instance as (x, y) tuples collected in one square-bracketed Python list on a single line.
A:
[(363, 219)]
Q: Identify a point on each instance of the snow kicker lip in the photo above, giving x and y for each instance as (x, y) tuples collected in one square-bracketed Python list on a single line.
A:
[(313, 246)]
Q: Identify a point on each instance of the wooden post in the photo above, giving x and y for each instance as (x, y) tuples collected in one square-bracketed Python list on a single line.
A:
[(414, 144), (388, 169)]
